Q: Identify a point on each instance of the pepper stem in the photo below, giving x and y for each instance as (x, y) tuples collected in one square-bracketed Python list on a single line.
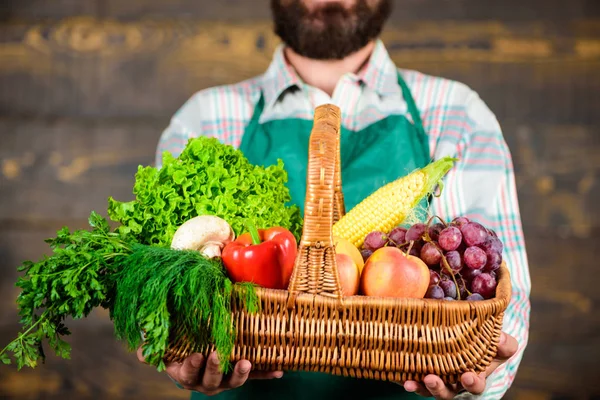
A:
[(253, 232)]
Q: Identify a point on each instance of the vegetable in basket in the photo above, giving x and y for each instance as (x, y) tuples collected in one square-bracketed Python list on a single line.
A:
[(391, 204), (263, 256), (208, 178), (205, 233), (174, 295)]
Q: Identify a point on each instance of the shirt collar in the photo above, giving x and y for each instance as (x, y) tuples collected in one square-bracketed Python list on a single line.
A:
[(279, 77), (379, 74)]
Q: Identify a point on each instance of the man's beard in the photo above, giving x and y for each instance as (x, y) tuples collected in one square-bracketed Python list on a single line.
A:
[(330, 32)]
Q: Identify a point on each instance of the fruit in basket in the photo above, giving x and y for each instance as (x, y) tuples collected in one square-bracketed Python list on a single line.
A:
[(434, 292), (475, 297), (459, 221), (365, 253), (492, 243), (454, 261), (415, 232), (435, 230), (493, 262), (462, 288), (434, 277), (474, 257), (343, 246), (493, 251), (375, 240), (469, 274), (474, 234), (389, 272), (431, 254), (265, 257), (484, 284), (389, 205), (397, 236), (450, 238), (348, 274), (449, 288), (461, 255)]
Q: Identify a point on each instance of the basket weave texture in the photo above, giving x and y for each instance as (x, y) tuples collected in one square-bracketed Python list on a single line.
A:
[(313, 327)]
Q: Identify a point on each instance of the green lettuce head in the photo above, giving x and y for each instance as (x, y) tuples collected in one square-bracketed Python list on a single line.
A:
[(208, 178)]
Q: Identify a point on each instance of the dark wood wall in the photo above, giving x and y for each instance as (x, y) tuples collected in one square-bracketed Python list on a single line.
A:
[(86, 87)]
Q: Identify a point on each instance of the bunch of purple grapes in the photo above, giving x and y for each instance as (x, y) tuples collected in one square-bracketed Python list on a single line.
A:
[(463, 256)]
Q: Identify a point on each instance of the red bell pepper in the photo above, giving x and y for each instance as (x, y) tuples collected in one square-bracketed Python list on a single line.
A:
[(265, 257)]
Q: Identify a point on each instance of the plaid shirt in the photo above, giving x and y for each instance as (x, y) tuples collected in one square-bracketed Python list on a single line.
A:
[(458, 123)]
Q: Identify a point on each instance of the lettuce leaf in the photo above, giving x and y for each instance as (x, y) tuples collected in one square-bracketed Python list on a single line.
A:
[(208, 178)]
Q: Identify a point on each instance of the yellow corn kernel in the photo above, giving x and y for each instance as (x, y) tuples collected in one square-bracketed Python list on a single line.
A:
[(389, 205)]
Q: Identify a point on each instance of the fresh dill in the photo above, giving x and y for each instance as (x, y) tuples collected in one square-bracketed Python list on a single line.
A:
[(171, 295)]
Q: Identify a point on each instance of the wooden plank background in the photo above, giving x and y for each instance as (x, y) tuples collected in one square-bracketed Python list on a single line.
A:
[(86, 87)]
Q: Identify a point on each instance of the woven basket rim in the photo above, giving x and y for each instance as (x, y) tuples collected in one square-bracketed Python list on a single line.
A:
[(501, 299)]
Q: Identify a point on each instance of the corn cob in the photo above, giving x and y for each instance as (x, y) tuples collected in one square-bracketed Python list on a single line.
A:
[(389, 205)]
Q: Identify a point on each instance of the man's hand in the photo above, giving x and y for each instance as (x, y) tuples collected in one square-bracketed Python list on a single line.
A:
[(471, 382), (197, 374)]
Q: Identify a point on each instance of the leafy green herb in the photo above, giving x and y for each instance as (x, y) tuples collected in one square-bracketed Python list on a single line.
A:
[(167, 294), (69, 283), (207, 178), (173, 295)]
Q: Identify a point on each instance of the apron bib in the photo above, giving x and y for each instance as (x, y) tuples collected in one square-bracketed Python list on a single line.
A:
[(371, 157)]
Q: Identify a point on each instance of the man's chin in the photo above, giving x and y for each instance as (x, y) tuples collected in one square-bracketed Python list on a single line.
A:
[(330, 32)]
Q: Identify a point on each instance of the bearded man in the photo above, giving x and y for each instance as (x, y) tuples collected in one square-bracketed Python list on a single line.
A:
[(393, 121)]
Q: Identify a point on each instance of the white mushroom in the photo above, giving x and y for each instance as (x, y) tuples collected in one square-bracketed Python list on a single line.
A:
[(207, 234)]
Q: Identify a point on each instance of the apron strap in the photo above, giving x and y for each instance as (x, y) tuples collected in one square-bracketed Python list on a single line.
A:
[(412, 106), (258, 109)]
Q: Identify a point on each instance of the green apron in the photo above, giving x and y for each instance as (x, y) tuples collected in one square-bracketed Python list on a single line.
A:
[(370, 158)]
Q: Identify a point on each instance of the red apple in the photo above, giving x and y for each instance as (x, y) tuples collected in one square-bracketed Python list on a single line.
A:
[(348, 273), (389, 272)]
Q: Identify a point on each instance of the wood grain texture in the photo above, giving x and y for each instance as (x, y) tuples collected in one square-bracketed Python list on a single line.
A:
[(63, 169), (244, 10), (557, 169), (76, 66), (42, 9), (564, 344), (404, 10)]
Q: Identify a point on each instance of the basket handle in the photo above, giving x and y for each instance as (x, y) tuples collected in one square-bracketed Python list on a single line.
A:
[(315, 270), (339, 208)]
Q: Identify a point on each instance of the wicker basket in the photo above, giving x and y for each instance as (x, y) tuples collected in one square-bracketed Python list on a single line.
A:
[(312, 327)]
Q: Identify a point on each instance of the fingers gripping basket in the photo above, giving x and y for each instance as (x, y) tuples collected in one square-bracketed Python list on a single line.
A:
[(312, 327)]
